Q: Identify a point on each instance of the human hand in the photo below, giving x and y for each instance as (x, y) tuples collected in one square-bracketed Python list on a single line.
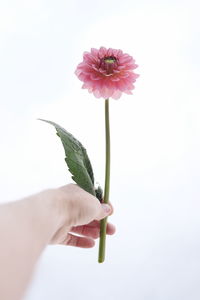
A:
[(52, 216), (79, 213)]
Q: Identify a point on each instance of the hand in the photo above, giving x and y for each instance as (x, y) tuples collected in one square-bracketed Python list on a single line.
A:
[(80, 214), (27, 226)]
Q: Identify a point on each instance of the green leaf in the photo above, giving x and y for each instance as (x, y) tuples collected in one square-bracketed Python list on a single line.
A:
[(77, 159)]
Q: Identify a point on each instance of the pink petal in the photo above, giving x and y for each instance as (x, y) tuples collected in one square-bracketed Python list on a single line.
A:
[(105, 80)]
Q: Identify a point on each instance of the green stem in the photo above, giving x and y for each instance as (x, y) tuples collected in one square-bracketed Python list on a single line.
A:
[(103, 223)]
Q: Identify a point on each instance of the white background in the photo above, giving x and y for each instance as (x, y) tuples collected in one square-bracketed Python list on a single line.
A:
[(155, 139)]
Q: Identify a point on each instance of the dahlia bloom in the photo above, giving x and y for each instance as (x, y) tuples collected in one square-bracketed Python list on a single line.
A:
[(107, 72)]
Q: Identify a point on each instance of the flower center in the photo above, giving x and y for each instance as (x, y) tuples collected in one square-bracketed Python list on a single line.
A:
[(110, 60), (108, 63)]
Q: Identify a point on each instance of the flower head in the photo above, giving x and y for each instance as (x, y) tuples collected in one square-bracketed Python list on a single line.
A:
[(107, 72)]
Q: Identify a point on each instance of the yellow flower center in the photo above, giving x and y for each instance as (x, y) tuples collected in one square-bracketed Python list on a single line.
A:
[(108, 64), (110, 60)]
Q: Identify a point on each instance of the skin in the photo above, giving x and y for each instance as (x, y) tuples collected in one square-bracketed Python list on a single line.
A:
[(52, 216)]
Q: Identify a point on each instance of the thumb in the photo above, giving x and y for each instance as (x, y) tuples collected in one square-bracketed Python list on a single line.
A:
[(104, 211)]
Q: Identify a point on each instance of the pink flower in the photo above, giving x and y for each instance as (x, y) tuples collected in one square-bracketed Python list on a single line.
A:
[(107, 72)]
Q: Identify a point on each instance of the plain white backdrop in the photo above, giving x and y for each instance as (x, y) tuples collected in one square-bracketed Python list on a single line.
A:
[(155, 140)]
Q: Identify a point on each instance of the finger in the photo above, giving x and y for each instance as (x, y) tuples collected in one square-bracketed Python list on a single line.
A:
[(88, 231), (112, 209), (110, 229), (93, 229), (105, 211), (78, 241), (96, 224)]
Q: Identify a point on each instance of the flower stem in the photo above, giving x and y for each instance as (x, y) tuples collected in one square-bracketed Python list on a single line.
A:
[(103, 223)]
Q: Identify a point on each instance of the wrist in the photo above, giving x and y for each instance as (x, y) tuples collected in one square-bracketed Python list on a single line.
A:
[(48, 208)]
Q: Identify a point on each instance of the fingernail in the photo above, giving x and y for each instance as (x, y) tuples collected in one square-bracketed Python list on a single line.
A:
[(106, 208)]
